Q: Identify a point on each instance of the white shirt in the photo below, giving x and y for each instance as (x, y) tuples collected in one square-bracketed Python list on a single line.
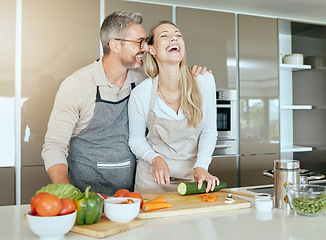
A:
[(139, 107)]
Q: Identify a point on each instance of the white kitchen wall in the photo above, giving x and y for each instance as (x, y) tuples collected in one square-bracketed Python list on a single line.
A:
[(7, 82)]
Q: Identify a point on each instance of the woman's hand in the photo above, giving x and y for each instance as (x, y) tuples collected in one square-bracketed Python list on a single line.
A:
[(161, 171), (196, 70), (200, 175)]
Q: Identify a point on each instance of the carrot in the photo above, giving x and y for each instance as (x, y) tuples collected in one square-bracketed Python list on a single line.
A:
[(155, 205), (157, 200), (208, 198)]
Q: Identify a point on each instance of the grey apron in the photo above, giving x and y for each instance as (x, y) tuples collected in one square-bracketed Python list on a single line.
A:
[(100, 156), (175, 142)]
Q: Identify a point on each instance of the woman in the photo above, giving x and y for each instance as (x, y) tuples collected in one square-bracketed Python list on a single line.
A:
[(179, 113)]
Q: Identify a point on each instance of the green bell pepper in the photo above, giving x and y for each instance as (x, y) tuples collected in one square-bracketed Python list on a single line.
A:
[(89, 208)]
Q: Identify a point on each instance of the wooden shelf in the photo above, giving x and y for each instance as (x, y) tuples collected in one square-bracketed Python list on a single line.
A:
[(296, 148), (318, 68), (296, 107), (294, 67)]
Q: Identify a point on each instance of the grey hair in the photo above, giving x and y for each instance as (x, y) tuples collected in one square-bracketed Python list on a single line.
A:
[(115, 26)]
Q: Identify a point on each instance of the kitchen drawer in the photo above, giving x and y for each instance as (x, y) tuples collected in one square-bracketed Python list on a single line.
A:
[(225, 168), (252, 167), (7, 185), (32, 179)]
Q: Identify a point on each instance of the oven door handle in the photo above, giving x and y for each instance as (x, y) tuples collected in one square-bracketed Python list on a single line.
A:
[(223, 105), (217, 146)]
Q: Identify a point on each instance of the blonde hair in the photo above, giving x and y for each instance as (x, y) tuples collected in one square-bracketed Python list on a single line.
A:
[(191, 99)]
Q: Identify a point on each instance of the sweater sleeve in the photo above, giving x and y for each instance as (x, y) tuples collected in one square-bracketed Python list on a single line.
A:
[(61, 124), (138, 108), (207, 138)]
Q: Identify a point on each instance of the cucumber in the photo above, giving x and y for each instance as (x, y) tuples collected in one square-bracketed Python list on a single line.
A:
[(188, 188)]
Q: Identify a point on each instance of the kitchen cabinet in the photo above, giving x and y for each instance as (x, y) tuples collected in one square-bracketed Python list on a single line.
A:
[(7, 186), (287, 106), (51, 51), (303, 102), (252, 167), (303, 123), (225, 168), (210, 42), (259, 98), (7, 83), (152, 13), (33, 178), (258, 84)]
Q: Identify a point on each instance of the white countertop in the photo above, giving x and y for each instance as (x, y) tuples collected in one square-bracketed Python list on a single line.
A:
[(235, 224)]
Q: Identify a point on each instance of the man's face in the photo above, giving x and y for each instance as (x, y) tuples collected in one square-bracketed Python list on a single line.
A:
[(131, 53)]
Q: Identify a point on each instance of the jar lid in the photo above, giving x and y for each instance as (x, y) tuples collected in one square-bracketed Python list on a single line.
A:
[(294, 55), (287, 164)]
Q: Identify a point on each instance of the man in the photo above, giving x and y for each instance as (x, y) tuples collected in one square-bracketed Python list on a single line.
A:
[(90, 113)]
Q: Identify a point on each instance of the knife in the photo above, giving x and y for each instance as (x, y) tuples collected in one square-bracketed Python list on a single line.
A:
[(174, 180)]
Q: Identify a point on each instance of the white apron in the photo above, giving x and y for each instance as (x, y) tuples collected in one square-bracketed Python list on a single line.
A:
[(175, 142)]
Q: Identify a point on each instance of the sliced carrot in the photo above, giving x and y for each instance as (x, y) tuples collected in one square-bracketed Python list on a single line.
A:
[(210, 199), (204, 195), (155, 205), (157, 200), (213, 195)]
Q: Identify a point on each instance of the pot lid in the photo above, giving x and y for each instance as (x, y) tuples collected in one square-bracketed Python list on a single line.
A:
[(286, 164)]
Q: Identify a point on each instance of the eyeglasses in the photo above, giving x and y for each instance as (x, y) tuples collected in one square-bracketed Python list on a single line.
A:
[(141, 43)]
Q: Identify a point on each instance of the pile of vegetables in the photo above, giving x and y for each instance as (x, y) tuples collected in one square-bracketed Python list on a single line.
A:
[(155, 204), (64, 198), (310, 206), (127, 193), (208, 197), (46, 204)]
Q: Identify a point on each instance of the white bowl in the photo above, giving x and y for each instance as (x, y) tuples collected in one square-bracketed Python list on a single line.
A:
[(51, 228), (295, 59), (121, 212)]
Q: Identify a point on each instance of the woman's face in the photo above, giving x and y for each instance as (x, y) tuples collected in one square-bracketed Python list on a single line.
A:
[(168, 44)]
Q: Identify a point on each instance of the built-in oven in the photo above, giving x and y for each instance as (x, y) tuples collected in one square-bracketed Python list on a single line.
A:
[(226, 109)]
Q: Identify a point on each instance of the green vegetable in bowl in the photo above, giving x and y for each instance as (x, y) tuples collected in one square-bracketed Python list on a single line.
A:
[(310, 205), (62, 190)]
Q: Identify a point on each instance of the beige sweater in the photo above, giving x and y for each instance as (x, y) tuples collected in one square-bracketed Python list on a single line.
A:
[(74, 107)]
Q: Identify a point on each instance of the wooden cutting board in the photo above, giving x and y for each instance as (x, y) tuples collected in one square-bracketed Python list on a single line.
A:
[(192, 204), (105, 228)]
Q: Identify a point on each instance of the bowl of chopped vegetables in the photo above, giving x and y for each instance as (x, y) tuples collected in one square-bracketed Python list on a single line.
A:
[(121, 209), (306, 199)]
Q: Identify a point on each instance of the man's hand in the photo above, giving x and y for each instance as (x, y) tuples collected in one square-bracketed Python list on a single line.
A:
[(196, 70), (200, 175), (161, 171), (59, 173)]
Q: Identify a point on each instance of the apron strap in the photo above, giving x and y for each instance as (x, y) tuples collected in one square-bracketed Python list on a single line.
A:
[(99, 98), (153, 94), (152, 99)]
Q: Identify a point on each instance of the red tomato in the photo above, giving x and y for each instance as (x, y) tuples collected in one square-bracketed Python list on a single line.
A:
[(137, 195), (68, 206), (122, 193), (35, 200), (48, 205)]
